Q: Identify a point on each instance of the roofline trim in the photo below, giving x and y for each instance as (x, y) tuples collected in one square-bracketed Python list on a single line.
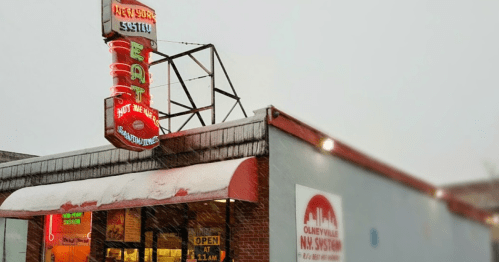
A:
[(300, 130)]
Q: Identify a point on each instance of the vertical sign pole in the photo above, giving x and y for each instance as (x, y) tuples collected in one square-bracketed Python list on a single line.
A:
[(169, 100), (212, 53), (4, 257)]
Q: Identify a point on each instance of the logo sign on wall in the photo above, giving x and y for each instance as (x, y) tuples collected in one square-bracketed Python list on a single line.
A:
[(319, 225), (130, 29)]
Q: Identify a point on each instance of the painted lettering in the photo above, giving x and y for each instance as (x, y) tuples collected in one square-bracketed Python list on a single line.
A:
[(327, 244), (137, 140), (136, 27), (123, 26)]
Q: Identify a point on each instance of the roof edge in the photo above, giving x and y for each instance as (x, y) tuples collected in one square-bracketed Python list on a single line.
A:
[(300, 130)]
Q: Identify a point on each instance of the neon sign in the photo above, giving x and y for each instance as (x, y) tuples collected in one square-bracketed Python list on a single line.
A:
[(134, 12), (130, 122), (128, 18), (72, 218)]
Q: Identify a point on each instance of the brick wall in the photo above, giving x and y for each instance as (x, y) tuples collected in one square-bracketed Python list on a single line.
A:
[(35, 239), (250, 231)]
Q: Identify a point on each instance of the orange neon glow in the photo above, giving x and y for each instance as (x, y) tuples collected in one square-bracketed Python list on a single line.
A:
[(120, 66), (67, 242), (122, 46), (133, 13), (119, 69)]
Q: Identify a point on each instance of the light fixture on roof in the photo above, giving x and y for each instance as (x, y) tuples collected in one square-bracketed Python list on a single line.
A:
[(439, 193), (328, 144), (495, 219), (223, 200)]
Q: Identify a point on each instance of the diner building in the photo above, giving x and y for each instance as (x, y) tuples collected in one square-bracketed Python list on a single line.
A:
[(263, 188)]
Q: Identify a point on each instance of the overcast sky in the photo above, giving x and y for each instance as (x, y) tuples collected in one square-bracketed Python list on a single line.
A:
[(411, 83)]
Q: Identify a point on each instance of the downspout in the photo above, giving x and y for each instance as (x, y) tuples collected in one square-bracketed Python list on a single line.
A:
[(4, 257)]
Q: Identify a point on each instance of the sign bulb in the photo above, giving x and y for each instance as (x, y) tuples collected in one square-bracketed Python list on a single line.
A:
[(328, 144)]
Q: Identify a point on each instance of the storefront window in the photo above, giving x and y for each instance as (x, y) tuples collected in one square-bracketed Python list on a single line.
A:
[(155, 233), (205, 232), (67, 237)]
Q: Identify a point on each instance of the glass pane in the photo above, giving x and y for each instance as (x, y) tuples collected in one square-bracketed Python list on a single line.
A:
[(131, 255), (67, 237), (113, 255), (169, 247), (148, 255), (148, 247), (148, 239)]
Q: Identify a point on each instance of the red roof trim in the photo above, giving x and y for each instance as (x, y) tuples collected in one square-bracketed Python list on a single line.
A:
[(314, 137)]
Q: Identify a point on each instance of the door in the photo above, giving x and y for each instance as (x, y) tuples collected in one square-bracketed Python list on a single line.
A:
[(13, 239)]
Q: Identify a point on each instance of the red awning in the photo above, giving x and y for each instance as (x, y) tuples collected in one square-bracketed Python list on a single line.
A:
[(234, 179)]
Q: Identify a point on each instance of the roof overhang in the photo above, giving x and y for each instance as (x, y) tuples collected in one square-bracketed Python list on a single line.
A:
[(234, 179)]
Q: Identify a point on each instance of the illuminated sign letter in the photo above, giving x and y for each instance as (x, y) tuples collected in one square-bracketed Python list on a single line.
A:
[(138, 93), (137, 72), (135, 51)]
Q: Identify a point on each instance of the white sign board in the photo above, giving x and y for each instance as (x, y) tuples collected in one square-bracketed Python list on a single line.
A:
[(319, 225)]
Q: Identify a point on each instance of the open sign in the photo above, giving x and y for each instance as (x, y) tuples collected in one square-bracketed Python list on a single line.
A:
[(207, 241)]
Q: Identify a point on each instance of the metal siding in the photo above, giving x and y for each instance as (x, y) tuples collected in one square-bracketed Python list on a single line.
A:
[(411, 226), (14, 171), (58, 164), (6, 173), (193, 142), (216, 138), (68, 163), (228, 136), (36, 168)]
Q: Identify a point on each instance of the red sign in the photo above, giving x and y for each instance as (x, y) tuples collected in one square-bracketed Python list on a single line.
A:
[(319, 225), (130, 122), (128, 18), (130, 69), (130, 125)]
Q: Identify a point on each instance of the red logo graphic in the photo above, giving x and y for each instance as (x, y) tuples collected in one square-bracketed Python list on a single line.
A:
[(320, 213)]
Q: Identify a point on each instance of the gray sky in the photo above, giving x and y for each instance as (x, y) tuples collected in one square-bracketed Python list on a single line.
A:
[(411, 83)]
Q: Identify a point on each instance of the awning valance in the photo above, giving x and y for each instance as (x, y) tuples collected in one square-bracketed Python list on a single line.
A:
[(235, 179)]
